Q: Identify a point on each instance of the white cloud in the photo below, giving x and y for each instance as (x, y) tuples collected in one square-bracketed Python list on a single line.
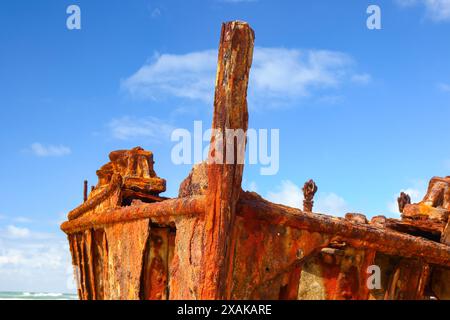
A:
[(331, 203), (19, 219), (17, 232), (33, 263), (291, 195), (416, 195), (437, 10), (22, 220), (253, 186), (288, 194), (129, 128), (185, 76), (278, 76), (11, 257), (41, 150)]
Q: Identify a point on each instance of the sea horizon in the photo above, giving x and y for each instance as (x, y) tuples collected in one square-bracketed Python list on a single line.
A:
[(27, 295)]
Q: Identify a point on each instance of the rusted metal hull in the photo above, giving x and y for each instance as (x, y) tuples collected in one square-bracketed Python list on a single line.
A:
[(289, 257), (218, 242)]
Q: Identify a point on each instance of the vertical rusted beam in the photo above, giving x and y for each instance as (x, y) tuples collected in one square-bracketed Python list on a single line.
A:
[(224, 180), (88, 246), (309, 190), (126, 245), (76, 263), (408, 281), (290, 290), (85, 191), (100, 262), (155, 270), (440, 283), (83, 268), (445, 237)]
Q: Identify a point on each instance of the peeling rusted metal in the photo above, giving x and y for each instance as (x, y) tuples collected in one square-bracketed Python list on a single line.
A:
[(216, 241), (224, 181), (126, 244), (161, 212), (402, 201)]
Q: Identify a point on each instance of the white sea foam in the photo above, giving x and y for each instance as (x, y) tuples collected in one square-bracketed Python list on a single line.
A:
[(42, 294), (37, 296)]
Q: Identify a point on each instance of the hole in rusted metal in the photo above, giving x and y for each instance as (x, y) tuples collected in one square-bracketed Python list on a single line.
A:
[(158, 256)]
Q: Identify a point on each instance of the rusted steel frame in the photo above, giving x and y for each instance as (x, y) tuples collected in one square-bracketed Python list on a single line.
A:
[(164, 211), (116, 182), (408, 281), (358, 235), (224, 180), (155, 277), (88, 241), (445, 237), (126, 245), (126, 193), (294, 271), (423, 225), (76, 263), (85, 190)]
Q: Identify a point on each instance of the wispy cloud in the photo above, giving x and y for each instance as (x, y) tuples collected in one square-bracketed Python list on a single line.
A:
[(363, 78), (131, 128), (156, 12), (253, 186), (445, 87), (31, 256), (279, 76), (22, 220), (291, 195), (416, 193), (331, 203), (184, 76), (446, 165), (33, 261), (437, 10), (41, 150), (287, 193), (282, 76), (17, 232), (19, 219)]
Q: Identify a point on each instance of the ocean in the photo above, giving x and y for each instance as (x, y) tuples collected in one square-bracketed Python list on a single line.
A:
[(36, 296)]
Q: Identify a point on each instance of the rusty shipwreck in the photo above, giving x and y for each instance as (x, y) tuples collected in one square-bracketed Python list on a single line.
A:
[(216, 241)]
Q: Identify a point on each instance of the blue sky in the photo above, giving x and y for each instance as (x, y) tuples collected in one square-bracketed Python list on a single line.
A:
[(365, 113)]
